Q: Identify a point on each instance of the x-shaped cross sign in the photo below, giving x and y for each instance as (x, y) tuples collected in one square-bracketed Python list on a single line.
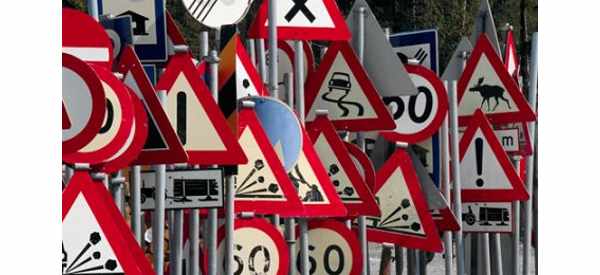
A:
[(300, 5)]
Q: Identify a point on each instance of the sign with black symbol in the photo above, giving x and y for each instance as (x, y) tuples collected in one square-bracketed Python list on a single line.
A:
[(96, 239), (200, 125), (485, 84), (405, 217), (349, 184), (302, 20), (117, 124), (487, 217), (258, 248), (486, 172), (148, 26), (315, 189), (263, 185), (215, 13), (421, 46), (333, 249), (341, 86), (186, 189), (162, 144), (419, 116)]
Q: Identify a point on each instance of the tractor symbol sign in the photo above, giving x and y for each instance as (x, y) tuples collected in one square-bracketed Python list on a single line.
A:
[(486, 215), (340, 82), (489, 91)]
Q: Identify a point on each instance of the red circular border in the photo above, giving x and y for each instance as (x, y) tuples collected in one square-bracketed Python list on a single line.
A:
[(94, 85), (365, 162), (267, 228), (442, 109), (308, 53), (348, 235), (122, 134), (137, 144)]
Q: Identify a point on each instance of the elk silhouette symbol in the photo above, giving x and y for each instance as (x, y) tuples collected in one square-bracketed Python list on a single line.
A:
[(489, 91)]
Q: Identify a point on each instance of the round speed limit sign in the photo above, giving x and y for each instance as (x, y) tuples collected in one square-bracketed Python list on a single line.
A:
[(333, 249), (258, 248), (419, 116)]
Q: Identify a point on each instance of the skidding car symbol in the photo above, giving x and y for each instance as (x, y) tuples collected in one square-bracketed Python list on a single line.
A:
[(340, 81)]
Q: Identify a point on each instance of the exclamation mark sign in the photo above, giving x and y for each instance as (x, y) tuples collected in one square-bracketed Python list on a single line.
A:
[(479, 160)]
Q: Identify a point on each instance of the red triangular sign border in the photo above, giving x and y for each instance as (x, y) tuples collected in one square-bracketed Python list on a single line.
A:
[(383, 121), (173, 153), (431, 242), (510, 52), (233, 154), (292, 205), (368, 206), (128, 252), (484, 47), (340, 31), (518, 192)]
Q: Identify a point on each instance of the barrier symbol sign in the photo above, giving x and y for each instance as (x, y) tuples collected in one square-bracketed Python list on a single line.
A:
[(83, 102), (341, 86), (200, 125), (302, 20), (405, 217), (258, 248), (84, 38), (487, 217), (315, 189), (116, 127), (487, 174), (263, 186), (419, 116), (485, 78), (349, 184), (215, 13), (96, 239), (333, 249), (186, 189), (148, 26)]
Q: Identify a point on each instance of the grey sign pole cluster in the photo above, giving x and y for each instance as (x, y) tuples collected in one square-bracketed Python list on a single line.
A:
[(445, 177), (158, 220), (211, 234), (456, 188)]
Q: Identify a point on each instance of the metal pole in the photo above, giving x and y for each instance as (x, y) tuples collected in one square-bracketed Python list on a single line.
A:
[(516, 205), (456, 188), (290, 228), (288, 79), (485, 243), (399, 257), (229, 222), (213, 61), (92, 6), (497, 253), (251, 51), (529, 168), (135, 185), (448, 247), (158, 220), (273, 85), (116, 189), (177, 249), (261, 59)]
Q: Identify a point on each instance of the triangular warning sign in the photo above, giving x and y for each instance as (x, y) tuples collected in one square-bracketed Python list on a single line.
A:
[(302, 20), (405, 217), (438, 206), (348, 183), (486, 84), (200, 125), (263, 186), (341, 86), (486, 173), (314, 187), (174, 35), (162, 144), (66, 121), (484, 24), (96, 239), (511, 58)]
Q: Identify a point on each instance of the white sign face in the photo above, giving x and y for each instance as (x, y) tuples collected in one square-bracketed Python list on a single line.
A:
[(342, 95), (244, 84), (509, 138), (305, 13), (310, 190), (329, 253), (480, 168), (337, 173), (189, 118), (254, 252), (256, 179), (84, 243), (143, 18), (487, 217), (215, 13), (485, 91)]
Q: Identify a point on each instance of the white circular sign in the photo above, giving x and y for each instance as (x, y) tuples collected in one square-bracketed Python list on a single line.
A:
[(215, 13)]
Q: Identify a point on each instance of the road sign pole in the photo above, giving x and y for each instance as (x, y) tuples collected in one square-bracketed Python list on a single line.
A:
[(273, 85), (290, 228), (135, 185), (288, 82), (456, 188), (116, 189), (516, 241), (445, 155), (92, 6), (177, 249), (261, 59), (251, 51), (529, 168), (399, 258), (498, 270), (158, 220), (485, 243)]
